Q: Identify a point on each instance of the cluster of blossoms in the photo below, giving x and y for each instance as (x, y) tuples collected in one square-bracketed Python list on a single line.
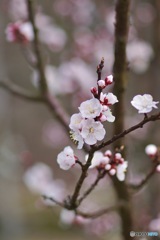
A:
[(86, 126), (112, 163)]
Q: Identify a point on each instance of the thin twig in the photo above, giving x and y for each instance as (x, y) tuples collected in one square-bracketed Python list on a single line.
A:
[(137, 187), (101, 212), (53, 200), (154, 117), (36, 45), (93, 185)]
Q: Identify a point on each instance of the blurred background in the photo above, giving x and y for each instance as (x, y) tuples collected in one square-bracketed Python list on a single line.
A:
[(74, 36)]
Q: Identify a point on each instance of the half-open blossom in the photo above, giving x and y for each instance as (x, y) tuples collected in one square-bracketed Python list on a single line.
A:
[(76, 121), (99, 160), (19, 32), (151, 150), (109, 79), (121, 170), (107, 116), (144, 103), (92, 131), (66, 158), (90, 108), (108, 99)]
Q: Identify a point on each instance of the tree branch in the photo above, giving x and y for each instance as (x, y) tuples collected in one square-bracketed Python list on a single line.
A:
[(144, 181), (73, 202), (101, 212), (53, 200), (154, 117), (100, 175)]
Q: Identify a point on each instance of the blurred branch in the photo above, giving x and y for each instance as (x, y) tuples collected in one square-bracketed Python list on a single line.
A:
[(119, 73), (144, 181), (39, 62), (152, 118), (53, 200), (100, 175), (20, 92), (103, 211), (51, 101)]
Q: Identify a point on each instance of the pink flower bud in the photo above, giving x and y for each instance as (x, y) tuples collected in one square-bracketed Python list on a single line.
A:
[(118, 156), (112, 171), (151, 150), (101, 84), (108, 153), (108, 167), (109, 80), (94, 91)]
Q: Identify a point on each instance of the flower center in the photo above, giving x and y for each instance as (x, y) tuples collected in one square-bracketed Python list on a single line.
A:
[(91, 130)]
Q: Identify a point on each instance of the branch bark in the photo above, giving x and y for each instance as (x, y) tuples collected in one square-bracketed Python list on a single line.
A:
[(119, 73)]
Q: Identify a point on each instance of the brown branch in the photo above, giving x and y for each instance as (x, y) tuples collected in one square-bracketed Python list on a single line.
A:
[(36, 45), (119, 73), (73, 202), (154, 117), (53, 200), (144, 181), (100, 175), (103, 211), (20, 92)]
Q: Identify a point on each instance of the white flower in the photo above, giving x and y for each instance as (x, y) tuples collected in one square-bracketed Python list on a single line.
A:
[(151, 149), (144, 103), (76, 121), (107, 116), (121, 169), (76, 137), (99, 159), (67, 217), (92, 131), (108, 99), (66, 158), (101, 83), (90, 108)]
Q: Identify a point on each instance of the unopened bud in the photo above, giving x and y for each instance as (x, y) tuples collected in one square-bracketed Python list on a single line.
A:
[(112, 171), (94, 91), (101, 84), (151, 150)]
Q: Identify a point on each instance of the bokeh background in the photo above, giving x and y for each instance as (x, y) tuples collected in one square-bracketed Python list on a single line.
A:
[(74, 36)]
